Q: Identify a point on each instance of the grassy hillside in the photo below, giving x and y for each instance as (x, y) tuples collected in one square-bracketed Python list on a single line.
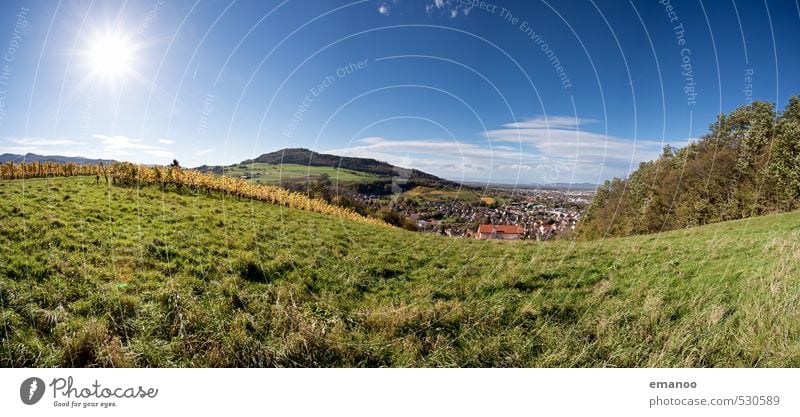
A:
[(276, 174), (92, 275), (435, 194), (305, 157)]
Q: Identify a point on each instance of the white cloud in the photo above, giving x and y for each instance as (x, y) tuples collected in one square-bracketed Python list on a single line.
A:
[(550, 122), (384, 9), (20, 150), (123, 146), (37, 142), (562, 138), (556, 149), (104, 146), (448, 8), (201, 152), (436, 147), (447, 158)]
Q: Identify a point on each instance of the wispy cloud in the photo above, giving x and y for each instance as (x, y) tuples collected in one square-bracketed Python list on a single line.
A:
[(166, 141), (123, 146), (447, 158), (30, 141), (537, 150), (97, 146), (384, 9), (564, 138), (201, 152), (550, 122), (39, 150), (449, 8)]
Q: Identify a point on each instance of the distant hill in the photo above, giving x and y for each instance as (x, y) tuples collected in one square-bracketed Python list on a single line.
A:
[(385, 173), (32, 157), (302, 156), (576, 186)]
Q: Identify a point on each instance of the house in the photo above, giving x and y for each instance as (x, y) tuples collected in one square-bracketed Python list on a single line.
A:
[(546, 232), (499, 232)]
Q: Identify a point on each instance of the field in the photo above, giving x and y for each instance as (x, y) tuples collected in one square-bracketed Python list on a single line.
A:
[(96, 275), (434, 194), (275, 174)]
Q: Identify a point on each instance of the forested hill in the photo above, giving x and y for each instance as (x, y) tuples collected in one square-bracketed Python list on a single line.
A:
[(303, 156), (747, 164)]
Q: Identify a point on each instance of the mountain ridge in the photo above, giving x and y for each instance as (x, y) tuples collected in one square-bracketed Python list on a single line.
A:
[(32, 157)]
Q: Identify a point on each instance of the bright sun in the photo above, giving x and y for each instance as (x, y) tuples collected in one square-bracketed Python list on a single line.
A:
[(110, 57)]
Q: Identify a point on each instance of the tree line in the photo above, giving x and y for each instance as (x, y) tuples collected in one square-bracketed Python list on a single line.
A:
[(748, 164)]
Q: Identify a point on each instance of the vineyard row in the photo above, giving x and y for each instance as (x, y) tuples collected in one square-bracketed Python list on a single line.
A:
[(126, 173)]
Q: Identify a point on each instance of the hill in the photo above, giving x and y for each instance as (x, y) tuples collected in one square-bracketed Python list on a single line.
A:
[(32, 157), (97, 275), (286, 174), (299, 156)]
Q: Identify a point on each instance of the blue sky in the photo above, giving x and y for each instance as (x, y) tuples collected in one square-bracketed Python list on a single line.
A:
[(507, 91)]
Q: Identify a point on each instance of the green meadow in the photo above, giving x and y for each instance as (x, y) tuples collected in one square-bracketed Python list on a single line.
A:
[(92, 275), (274, 174), (435, 194)]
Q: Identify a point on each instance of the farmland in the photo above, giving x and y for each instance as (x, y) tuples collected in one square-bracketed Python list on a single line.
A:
[(434, 194), (141, 275), (276, 174)]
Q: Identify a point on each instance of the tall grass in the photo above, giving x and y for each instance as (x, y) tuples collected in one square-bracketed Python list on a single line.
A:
[(168, 276), (126, 173)]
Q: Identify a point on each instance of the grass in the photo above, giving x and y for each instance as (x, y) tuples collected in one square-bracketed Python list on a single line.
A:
[(274, 174), (111, 276), (434, 194)]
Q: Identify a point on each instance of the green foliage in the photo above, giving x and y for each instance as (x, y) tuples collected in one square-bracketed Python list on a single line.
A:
[(146, 276), (747, 165), (394, 218)]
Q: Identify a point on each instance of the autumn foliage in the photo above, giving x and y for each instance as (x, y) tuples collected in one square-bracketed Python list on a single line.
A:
[(747, 165)]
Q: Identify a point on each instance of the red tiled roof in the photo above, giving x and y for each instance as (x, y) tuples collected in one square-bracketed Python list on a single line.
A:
[(500, 228)]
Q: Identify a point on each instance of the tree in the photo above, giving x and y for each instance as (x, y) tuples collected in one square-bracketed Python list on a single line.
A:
[(748, 164)]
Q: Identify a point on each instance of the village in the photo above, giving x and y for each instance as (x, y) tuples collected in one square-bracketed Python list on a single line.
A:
[(495, 212), (511, 214)]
